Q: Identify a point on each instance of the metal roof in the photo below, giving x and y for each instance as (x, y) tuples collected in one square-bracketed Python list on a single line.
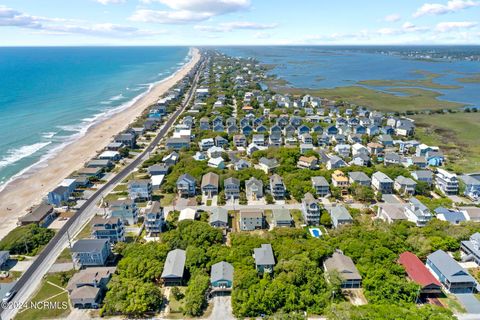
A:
[(449, 268), (264, 255), (221, 271), (174, 264)]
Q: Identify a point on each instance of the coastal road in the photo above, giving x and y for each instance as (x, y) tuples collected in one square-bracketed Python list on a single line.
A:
[(31, 279)]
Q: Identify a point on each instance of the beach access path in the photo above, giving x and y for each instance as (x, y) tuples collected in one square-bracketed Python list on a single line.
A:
[(26, 191)]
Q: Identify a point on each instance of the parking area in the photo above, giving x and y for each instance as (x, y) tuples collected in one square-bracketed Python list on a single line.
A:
[(222, 308)]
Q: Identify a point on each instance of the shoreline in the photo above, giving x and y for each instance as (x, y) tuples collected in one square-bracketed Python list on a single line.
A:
[(36, 181)]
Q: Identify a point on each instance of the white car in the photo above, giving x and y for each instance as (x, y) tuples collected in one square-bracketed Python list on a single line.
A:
[(9, 296)]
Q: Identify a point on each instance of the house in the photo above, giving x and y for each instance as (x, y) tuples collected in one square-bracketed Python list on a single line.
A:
[(340, 180), (311, 209), (268, 165), (59, 195), (126, 210), (281, 218), (86, 287), (340, 216), (215, 152), (471, 213), (154, 219), (307, 163), (221, 276), (435, 158), (90, 252), (254, 188), (221, 142), (247, 130), (42, 215), (453, 277), (419, 274), (174, 268), (447, 182), (242, 164), (127, 139), (177, 143), (392, 158), (359, 178), (110, 155), (306, 147), (158, 169), (306, 138), (206, 144), (321, 186), (452, 216), (187, 214), (417, 212), (209, 184), (258, 139), (231, 187), (382, 183), (111, 229), (275, 140), (405, 186), (472, 186), (423, 175), (217, 162), (251, 219), (218, 217), (345, 268), (277, 187), (239, 140), (343, 150), (98, 163), (186, 185), (140, 189), (391, 212), (471, 248), (264, 259), (335, 162), (171, 159), (358, 148)]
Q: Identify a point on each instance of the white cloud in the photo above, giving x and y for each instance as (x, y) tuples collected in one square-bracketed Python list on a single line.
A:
[(449, 26), (236, 25), (12, 18), (450, 7), (392, 17), (105, 2), (188, 11)]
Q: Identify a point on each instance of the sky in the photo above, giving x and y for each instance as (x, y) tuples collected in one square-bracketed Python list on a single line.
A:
[(238, 22)]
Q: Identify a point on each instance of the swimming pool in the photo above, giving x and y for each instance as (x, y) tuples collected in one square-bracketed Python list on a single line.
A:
[(315, 232)]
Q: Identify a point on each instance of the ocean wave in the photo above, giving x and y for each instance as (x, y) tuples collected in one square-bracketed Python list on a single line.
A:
[(106, 102), (117, 97), (48, 135), (14, 155)]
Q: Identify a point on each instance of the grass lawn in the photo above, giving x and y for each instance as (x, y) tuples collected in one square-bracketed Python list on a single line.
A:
[(209, 202), (426, 82), (410, 98), (121, 188), (85, 233), (456, 134), (297, 217), (51, 293), (175, 306), (64, 256), (167, 199)]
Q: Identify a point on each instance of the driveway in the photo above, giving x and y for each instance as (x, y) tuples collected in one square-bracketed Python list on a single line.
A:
[(470, 302), (222, 308)]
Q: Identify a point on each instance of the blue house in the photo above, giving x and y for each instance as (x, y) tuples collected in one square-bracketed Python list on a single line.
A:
[(221, 276), (332, 130), (247, 130), (453, 277), (435, 158), (303, 129), (472, 186)]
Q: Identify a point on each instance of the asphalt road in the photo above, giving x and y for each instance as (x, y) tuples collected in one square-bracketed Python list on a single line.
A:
[(30, 280)]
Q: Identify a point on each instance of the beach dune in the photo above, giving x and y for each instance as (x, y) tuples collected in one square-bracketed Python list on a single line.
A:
[(28, 190)]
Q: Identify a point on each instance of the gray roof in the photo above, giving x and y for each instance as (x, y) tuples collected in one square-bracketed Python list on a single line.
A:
[(340, 213), (174, 264), (281, 215), (382, 177), (449, 267), (358, 176), (423, 174), (89, 245), (253, 181), (37, 214), (271, 163), (231, 180), (343, 265), (264, 255), (320, 181), (210, 179), (187, 177), (405, 181), (219, 214), (221, 271)]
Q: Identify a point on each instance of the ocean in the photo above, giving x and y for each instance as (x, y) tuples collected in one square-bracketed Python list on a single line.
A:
[(319, 67), (50, 96)]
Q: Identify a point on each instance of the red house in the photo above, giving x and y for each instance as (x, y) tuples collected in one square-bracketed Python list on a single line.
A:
[(418, 273)]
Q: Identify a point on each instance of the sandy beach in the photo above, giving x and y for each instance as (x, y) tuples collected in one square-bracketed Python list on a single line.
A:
[(25, 192)]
